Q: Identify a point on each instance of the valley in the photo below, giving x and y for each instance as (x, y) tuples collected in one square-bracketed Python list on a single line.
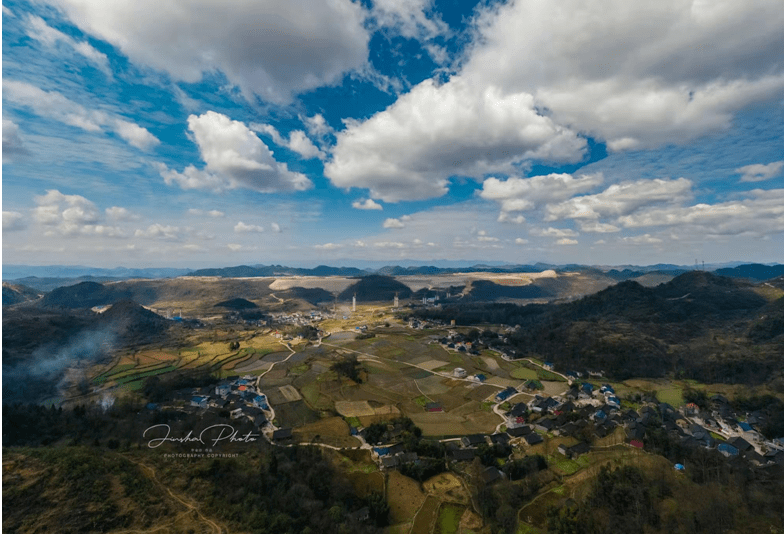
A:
[(475, 404)]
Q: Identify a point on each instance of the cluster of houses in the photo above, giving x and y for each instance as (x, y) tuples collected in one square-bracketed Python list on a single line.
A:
[(238, 396), (587, 412), (458, 342)]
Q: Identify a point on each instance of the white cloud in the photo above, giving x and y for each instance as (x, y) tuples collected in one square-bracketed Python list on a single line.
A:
[(595, 226), (244, 228), (235, 158), (39, 30), (759, 172), (487, 239), (645, 239), (215, 214), (411, 149), (760, 215), (520, 241), (13, 221), (414, 19), (317, 126), (391, 222), (621, 199), (55, 106), (267, 48), (159, 231), (367, 204), (504, 217), (68, 214), (566, 241), (12, 144), (654, 74), (234, 246), (135, 135), (118, 213), (517, 194), (389, 245), (297, 141), (328, 246), (551, 232)]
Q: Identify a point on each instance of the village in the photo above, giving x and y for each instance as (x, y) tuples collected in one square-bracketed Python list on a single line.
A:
[(572, 423)]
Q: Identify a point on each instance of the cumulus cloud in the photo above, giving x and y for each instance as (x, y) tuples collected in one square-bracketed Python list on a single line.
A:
[(297, 141), (595, 226), (367, 204), (39, 30), (267, 48), (621, 199), (70, 215), (245, 228), (317, 126), (328, 246), (517, 194), (275, 227), (663, 72), (391, 222), (216, 214), (759, 172), (235, 158), (759, 215), (159, 231), (645, 239), (566, 241), (411, 149), (552, 232), (389, 245), (13, 221), (55, 106), (413, 19), (520, 241), (67, 213), (118, 213), (12, 144)]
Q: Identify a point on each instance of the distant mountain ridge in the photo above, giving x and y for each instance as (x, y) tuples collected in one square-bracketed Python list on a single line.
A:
[(46, 278)]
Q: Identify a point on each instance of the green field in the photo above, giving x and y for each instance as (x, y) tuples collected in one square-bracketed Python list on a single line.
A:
[(449, 518), (133, 377), (524, 374), (566, 465)]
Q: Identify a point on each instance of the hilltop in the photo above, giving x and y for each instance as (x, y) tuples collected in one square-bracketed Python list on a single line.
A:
[(375, 288), (699, 325), (19, 293)]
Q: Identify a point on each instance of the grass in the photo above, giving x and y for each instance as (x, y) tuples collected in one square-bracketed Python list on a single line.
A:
[(566, 465), (487, 406), (353, 421), (544, 375), (523, 374), (449, 518), (421, 401), (134, 377)]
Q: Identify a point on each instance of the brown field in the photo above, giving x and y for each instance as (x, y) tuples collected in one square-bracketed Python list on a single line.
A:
[(404, 497), (290, 393), (447, 486), (433, 364), (427, 515), (354, 408)]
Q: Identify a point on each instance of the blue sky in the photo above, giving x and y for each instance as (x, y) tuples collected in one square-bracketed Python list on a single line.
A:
[(209, 133)]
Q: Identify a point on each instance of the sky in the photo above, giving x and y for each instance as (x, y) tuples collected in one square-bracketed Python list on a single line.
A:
[(218, 133)]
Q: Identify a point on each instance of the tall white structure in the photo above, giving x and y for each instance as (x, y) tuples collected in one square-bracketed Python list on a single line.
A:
[(397, 302), (354, 303)]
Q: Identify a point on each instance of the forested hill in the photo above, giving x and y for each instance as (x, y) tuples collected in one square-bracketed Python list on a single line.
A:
[(698, 325)]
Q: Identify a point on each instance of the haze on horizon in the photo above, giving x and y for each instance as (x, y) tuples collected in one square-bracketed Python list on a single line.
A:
[(284, 132)]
